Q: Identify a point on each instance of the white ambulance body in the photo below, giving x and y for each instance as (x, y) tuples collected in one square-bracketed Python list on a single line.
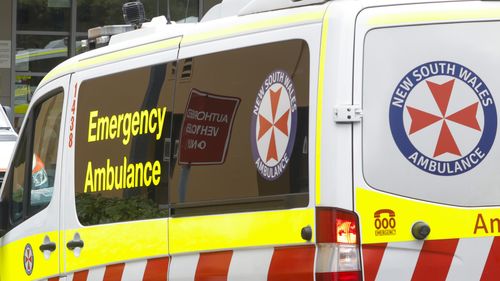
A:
[(292, 140)]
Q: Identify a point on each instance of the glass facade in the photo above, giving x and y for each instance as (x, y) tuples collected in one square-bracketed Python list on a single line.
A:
[(47, 32)]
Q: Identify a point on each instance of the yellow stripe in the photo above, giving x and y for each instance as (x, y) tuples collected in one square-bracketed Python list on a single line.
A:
[(39, 54), (232, 231), (411, 17), (319, 113), (113, 243), (254, 26), (445, 221), (112, 57), (11, 259)]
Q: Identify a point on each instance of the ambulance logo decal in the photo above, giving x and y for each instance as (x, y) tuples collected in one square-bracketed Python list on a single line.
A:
[(29, 259), (443, 118), (274, 124)]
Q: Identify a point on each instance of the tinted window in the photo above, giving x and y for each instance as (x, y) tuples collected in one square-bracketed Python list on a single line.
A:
[(240, 130), (122, 129)]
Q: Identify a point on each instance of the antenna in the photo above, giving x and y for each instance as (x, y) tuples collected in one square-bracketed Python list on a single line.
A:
[(168, 12)]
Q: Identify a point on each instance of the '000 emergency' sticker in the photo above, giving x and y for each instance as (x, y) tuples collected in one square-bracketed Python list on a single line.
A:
[(443, 118)]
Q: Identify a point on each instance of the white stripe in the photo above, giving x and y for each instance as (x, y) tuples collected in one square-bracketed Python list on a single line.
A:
[(134, 271), (68, 278), (470, 258), (96, 274), (399, 261), (183, 268), (250, 265)]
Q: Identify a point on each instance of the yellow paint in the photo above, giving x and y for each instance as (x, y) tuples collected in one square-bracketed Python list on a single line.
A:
[(242, 28), (415, 17), (113, 243), (112, 57), (12, 254), (319, 112), (445, 221), (207, 233)]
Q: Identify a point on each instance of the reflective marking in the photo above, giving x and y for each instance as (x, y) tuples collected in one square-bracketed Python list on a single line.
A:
[(250, 264), (134, 271), (413, 17), (470, 258), (213, 266), (491, 269), (435, 260), (183, 268), (96, 274), (397, 254), (372, 258)]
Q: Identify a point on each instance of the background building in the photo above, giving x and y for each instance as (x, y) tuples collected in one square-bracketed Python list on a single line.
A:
[(36, 35)]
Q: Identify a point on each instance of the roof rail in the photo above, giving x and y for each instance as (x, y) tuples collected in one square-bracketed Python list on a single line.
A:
[(229, 8)]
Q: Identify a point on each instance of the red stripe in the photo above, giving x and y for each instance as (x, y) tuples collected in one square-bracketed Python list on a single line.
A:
[(491, 269), (372, 258), (434, 260), (114, 272), (292, 264), (81, 276), (156, 270), (213, 266), (54, 279)]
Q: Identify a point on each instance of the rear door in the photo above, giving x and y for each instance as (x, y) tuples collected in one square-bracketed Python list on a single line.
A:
[(426, 153), (31, 248), (116, 200)]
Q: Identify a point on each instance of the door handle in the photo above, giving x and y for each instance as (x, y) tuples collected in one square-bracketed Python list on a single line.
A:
[(49, 246), (73, 244)]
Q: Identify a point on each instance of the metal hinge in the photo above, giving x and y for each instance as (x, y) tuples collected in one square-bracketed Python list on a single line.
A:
[(348, 113)]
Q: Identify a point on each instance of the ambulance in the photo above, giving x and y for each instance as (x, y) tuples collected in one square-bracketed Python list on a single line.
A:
[(341, 140)]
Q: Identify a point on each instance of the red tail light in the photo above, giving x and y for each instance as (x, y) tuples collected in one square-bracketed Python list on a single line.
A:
[(338, 257)]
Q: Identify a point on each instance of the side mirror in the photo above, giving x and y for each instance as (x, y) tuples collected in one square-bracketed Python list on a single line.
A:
[(4, 219)]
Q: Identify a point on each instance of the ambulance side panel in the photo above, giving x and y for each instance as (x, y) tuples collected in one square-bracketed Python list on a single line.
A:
[(242, 190), (117, 141), (426, 154), (31, 248)]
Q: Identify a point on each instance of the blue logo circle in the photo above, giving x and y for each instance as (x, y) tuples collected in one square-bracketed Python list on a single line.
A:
[(445, 82)]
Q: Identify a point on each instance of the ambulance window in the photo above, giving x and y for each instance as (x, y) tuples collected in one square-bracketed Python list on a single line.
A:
[(429, 112), (240, 130), (31, 189), (122, 129)]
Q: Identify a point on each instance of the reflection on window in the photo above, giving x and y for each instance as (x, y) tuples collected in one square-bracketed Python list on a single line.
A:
[(262, 162), (121, 175), (37, 149), (40, 53), (45, 142), (18, 178), (47, 15)]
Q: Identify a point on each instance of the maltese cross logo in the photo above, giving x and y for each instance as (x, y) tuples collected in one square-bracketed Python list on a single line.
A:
[(273, 125), (466, 117), (29, 260)]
